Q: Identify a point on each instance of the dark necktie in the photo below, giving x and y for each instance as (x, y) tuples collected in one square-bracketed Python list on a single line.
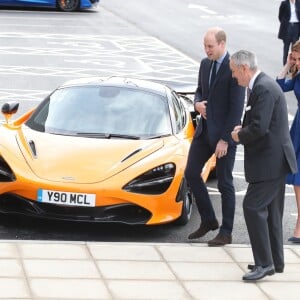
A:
[(248, 93), (213, 72)]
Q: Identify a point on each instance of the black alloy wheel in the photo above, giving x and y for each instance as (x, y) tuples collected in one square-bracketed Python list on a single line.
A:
[(187, 197), (68, 5)]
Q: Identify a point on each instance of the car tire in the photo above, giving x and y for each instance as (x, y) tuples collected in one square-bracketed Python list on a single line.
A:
[(187, 196), (68, 5)]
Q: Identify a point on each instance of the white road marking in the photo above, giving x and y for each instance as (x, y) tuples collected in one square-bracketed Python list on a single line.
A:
[(239, 176), (214, 191), (100, 55), (202, 8), (209, 14), (24, 95)]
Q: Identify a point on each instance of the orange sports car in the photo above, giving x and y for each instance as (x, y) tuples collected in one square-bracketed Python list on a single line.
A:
[(100, 150)]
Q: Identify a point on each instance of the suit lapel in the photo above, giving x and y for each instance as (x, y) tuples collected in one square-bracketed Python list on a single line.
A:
[(253, 88), (251, 98), (249, 93), (220, 70)]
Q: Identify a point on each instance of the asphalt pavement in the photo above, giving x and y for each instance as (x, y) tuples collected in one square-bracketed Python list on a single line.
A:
[(118, 39), (92, 270)]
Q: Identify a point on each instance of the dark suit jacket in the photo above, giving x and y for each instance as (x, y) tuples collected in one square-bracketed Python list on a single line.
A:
[(269, 152), (225, 101), (284, 17)]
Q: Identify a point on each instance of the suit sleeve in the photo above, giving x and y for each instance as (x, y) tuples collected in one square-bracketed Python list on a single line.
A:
[(198, 93), (236, 105), (286, 84), (261, 112), (281, 11)]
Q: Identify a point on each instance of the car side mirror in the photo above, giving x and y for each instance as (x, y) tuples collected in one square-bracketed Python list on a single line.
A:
[(8, 109)]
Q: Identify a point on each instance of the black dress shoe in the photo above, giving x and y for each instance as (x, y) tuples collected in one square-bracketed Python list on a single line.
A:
[(278, 269), (220, 240), (204, 228), (259, 272)]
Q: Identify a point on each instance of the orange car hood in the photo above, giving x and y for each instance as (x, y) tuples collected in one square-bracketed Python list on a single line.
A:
[(81, 160)]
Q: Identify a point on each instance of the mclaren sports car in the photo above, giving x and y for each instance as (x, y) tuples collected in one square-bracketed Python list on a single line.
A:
[(100, 150)]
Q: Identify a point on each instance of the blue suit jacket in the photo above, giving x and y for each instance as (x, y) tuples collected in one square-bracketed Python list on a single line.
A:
[(225, 102)]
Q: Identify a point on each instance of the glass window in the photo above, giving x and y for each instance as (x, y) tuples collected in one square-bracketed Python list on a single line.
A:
[(179, 111), (104, 109)]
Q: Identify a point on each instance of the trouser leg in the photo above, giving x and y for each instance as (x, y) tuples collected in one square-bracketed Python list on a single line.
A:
[(275, 224), (199, 153), (261, 200), (286, 46), (225, 185)]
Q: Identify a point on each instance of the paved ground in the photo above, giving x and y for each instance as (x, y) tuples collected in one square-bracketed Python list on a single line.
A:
[(70, 56), (84, 270)]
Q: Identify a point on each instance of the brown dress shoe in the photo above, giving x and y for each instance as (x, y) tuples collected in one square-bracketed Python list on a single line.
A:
[(220, 240), (204, 228)]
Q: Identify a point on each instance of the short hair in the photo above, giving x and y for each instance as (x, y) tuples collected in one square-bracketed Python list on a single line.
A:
[(220, 36), (244, 57)]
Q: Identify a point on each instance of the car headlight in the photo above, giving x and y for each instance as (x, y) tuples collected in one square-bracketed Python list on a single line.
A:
[(155, 181), (6, 173)]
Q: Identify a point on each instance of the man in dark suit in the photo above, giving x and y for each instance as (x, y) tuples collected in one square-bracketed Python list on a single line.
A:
[(289, 29), (219, 100), (269, 156)]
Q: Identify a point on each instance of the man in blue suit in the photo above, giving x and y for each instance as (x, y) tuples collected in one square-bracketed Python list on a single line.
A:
[(219, 100)]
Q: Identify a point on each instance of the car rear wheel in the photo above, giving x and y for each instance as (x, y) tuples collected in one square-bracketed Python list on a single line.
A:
[(213, 174), (68, 5), (186, 196)]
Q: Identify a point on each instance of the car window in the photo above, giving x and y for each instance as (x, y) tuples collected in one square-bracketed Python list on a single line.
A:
[(179, 112), (109, 110)]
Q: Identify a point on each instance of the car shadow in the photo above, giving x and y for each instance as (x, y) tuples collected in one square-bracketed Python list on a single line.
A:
[(18, 227)]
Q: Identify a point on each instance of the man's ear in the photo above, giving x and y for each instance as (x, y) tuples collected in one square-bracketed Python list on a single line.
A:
[(223, 44), (245, 67)]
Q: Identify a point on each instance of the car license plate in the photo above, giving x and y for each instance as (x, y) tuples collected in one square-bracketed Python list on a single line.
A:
[(65, 198)]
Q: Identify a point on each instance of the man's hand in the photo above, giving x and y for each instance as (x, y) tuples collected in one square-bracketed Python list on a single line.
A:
[(234, 133), (200, 107), (221, 149)]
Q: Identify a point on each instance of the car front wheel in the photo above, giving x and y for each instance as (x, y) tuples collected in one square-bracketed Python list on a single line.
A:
[(186, 196), (68, 5)]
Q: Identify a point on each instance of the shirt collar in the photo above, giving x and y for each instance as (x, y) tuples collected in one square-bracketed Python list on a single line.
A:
[(251, 83), (220, 59)]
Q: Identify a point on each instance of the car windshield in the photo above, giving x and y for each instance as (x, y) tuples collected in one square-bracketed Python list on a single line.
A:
[(103, 112)]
